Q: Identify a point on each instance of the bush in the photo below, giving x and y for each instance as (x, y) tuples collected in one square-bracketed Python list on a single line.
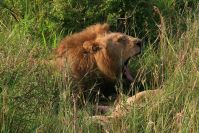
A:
[(44, 18)]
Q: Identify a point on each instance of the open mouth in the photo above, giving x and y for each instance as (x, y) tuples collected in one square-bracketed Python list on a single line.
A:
[(126, 71)]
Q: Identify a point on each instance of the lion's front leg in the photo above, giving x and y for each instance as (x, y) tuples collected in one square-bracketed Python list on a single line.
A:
[(124, 107)]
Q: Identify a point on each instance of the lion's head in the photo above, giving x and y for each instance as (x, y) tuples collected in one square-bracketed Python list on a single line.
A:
[(112, 51)]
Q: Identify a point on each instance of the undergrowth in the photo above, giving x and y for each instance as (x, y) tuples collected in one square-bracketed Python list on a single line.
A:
[(33, 98)]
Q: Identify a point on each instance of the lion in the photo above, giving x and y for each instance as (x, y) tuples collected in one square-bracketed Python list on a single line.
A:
[(97, 57)]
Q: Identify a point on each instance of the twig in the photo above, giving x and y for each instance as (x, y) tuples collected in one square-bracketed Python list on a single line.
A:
[(11, 12)]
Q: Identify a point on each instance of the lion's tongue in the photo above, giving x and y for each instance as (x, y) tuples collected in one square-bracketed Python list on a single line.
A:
[(127, 73)]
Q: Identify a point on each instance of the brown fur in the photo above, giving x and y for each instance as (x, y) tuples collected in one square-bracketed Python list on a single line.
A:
[(71, 51), (76, 50), (96, 52)]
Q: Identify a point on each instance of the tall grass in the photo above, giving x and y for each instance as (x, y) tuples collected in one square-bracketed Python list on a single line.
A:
[(33, 98), (175, 70)]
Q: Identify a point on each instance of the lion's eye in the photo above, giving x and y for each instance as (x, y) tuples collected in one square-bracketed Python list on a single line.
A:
[(122, 40)]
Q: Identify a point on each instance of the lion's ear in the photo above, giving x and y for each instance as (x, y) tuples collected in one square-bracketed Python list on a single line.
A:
[(91, 46)]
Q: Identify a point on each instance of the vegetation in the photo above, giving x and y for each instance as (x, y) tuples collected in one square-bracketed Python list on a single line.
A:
[(30, 29)]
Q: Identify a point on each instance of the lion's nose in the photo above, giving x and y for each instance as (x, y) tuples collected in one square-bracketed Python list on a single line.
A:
[(138, 42)]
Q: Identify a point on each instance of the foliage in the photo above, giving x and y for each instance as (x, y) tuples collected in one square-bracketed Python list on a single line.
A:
[(54, 16), (33, 98)]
